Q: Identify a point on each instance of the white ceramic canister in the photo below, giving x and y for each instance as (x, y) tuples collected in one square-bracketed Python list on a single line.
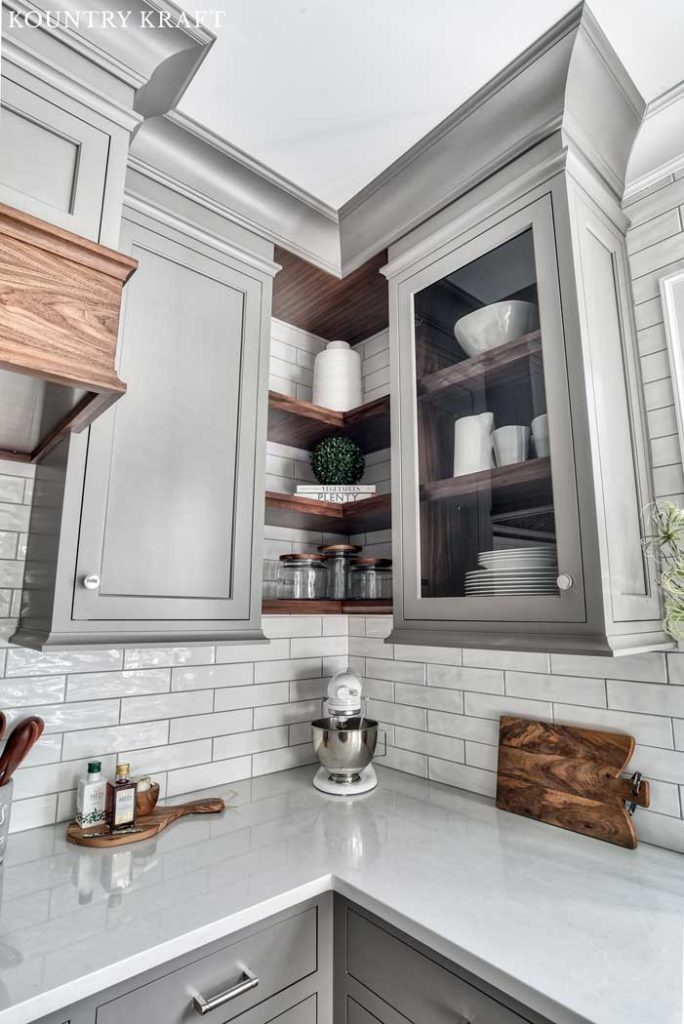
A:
[(337, 377)]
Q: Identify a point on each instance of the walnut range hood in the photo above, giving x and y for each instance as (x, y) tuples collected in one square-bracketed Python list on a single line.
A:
[(60, 297)]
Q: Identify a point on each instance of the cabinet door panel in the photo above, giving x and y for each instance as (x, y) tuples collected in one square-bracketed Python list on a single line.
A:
[(52, 163), (168, 499)]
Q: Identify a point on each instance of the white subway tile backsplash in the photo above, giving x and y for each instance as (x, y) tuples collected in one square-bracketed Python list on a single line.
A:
[(484, 705), (33, 813), (204, 776), (397, 671), (163, 759), (254, 742), (279, 760), (479, 680), (463, 727), (286, 714), (646, 698), (220, 723), (210, 677), (316, 647), (22, 692), (642, 667), (22, 662), (68, 717), (270, 651), (447, 747), (463, 776), (98, 742), (235, 697), (97, 685), (553, 687), (652, 730), (429, 697), (436, 655), (294, 668), (169, 705)]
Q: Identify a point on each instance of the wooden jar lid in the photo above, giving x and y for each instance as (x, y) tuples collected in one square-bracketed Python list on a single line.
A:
[(340, 549), (301, 556), (378, 563)]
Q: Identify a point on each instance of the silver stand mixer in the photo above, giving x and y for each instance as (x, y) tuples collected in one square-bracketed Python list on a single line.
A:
[(345, 741)]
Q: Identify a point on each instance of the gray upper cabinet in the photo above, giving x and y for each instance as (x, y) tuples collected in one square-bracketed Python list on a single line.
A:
[(147, 529)]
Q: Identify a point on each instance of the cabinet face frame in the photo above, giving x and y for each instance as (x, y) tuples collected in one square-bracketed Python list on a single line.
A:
[(94, 606), (535, 212)]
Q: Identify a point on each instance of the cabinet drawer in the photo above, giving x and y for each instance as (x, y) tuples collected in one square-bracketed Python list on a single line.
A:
[(303, 1013), (413, 984), (279, 956)]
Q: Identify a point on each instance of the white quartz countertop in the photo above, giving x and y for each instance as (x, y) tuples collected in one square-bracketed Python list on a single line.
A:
[(574, 928)]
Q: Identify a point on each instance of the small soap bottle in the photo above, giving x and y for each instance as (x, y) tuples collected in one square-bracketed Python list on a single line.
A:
[(121, 799), (91, 799)]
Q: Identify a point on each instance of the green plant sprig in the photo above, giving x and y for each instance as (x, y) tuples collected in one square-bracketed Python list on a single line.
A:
[(337, 460), (665, 543)]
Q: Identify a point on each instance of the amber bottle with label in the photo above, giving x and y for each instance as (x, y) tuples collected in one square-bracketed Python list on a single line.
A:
[(121, 799)]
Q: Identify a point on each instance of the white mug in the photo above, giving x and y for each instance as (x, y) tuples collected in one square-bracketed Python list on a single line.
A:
[(473, 443), (510, 445), (540, 426), (542, 448)]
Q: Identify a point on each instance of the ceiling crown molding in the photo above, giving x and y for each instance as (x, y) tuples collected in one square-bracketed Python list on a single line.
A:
[(659, 147), (155, 53)]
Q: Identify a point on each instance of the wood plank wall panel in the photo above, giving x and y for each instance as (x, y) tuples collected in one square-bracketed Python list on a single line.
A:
[(349, 309)]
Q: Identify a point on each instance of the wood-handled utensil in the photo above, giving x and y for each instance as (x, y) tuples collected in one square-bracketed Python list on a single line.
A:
[(3, 723), (19, 743)]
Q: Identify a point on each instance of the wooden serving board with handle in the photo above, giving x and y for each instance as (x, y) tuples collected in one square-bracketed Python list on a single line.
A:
[(569, 777), (150, 825)]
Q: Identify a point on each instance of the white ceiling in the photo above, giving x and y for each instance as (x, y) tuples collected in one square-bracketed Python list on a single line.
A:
[(327, 93)]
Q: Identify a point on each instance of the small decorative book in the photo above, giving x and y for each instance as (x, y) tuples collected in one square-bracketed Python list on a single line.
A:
[(338, 493)]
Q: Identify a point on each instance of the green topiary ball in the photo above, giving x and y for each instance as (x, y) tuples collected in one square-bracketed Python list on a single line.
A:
[(337, 460)]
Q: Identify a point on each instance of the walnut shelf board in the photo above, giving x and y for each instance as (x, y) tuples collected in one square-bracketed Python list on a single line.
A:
[(534, 477), (443, 386), (151, 824), (301, 513), (276, 607), (568, 777), (302, 424)]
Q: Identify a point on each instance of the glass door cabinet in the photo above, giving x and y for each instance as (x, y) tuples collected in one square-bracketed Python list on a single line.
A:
[(494, 544)]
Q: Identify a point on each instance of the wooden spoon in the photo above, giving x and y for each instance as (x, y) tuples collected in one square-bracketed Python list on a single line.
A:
[(19, 743), (3, 723)]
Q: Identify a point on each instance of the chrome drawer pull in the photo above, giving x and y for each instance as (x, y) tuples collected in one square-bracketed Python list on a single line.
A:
[(247, 982)]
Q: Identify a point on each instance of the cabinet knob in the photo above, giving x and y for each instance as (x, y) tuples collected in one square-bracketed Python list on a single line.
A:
[(91, 582), (565, 581)]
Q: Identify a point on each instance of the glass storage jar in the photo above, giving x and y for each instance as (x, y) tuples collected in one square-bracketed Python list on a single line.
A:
[(338, 561), (302, 577), (370, 579)]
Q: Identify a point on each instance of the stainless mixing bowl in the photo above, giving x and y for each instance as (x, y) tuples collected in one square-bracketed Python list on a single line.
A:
[(345, 747)]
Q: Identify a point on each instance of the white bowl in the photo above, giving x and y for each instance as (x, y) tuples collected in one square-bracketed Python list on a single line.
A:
[(494, 325)]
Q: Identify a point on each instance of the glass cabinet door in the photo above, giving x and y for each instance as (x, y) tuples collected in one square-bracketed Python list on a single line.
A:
[(497, 524)]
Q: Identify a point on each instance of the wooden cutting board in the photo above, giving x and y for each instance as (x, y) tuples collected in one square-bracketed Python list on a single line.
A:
[(150, 825), (568, 777)]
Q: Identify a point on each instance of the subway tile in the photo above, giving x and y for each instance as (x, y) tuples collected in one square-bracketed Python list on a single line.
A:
[(372, 647), (648, 313), (274, 649), (463, 776), (447, 747), (208, 677), (666, 765), (22, 662), (519, 661), (406, 761), (278, 626), (648, 286), (318, 646), (661, 830), (657, 256), (8, 544), (654, 230), (294, 668), (380, 626), (167, 758), (429, 697), (434, 655), (11, 573), (280, 760), (97, 742), (299, 733), (397, 714), (646, 698), (335, 663), (33, 813), (642, 667), (235, 697), (479, 680), (678, 728), (397, 671), (652, 339), (217, 724), (333, 625), (308, 689), (287, 714), (5, 603), (668, 480), (485, 705), (664, 798), (11, 488), (96, 685), (481, 755), (654, 366), (250, 742), (570, 689), (665, 451), (205, 776), (381, 689), (168, 705), (167, 657), (28, 690), (53, 778), (46, 750), (68, 717), (481, 730), (658, 395), (14, 518), (652, 730)]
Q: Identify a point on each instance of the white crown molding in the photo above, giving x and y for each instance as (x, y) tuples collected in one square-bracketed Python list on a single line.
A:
[(658, 150), (192, 126), (16, 53)]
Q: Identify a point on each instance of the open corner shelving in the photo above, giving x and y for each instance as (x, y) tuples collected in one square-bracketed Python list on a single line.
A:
[(301, 424)]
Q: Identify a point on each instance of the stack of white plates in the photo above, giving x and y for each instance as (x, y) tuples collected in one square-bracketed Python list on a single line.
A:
[(514, 571)]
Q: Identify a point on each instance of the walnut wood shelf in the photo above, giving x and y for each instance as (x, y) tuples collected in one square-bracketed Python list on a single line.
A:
[(326, 607), (499, 364), (297, 512), (533, 478), (302, 424)]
